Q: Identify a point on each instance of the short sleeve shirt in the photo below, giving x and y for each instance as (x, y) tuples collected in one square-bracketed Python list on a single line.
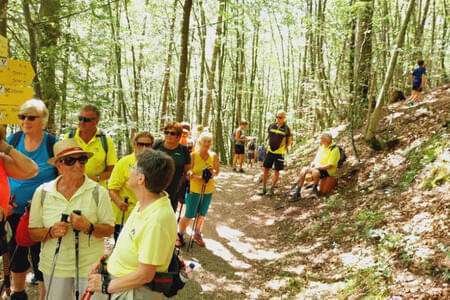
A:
[(96, 164), (181, 157), (47, 212), (24, 189), (148, 237), (417, 73), (118, 181), (329, 155), (278, 138)]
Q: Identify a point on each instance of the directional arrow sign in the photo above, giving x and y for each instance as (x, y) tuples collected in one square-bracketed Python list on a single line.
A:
[(15, 72), (8, 114), (3, 46)]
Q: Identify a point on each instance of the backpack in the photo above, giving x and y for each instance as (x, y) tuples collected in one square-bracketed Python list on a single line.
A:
[(51, 140), (169, 283), (342, 156), (102, 137)]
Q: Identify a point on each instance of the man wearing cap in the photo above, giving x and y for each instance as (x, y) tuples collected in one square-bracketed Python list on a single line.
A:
[(72, 190), (101, 164)]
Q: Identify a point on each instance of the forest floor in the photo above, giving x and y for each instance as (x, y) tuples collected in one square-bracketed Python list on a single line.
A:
[(384, 233)]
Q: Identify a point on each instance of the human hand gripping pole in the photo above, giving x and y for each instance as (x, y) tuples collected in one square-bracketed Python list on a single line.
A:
[(101, 270), (77, 259), (64, 218)]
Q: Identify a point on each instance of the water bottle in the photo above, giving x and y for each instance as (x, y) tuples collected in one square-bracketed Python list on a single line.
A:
[(184, 275)]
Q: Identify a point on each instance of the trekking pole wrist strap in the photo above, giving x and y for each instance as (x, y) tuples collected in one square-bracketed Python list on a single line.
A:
[(105, 283)]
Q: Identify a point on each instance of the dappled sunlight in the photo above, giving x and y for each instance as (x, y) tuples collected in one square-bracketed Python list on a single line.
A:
[(295, 269), (276, 284), (317, 290), (219, 250), (359, 258), (419, 224)]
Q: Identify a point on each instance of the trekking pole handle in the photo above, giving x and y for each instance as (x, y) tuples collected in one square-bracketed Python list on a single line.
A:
[(64, 218), (126, 200), (77, 212)]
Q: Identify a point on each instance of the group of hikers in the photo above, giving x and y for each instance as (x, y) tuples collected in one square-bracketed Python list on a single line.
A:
[(72, 193), (60, 198)]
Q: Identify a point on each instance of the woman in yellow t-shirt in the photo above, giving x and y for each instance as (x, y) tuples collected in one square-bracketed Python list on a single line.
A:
[(200, 160)]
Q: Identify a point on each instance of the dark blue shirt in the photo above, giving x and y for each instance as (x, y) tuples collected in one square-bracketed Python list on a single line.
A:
[(417, 73)]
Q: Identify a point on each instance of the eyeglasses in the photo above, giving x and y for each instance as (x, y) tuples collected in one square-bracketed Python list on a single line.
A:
[(136, 168), (146, 145), (172, 133), (70, 161), (280, 117), (29, 118), (84, 119)]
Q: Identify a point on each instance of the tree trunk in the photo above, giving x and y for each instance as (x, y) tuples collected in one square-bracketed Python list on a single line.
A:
[(183, 60), (212, 72), (3, 16), (255, 43), (33, 46), (419, 32), (168, 66), (49, 33), (375, 118), (444, 43)]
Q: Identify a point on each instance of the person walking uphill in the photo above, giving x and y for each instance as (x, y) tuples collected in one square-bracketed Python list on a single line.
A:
[(92, 139), (37, 145), (418, 79), (181, 157), (201, 160), (280, 140), (71, 191), (118, 183), (239, 145), (147, 242)]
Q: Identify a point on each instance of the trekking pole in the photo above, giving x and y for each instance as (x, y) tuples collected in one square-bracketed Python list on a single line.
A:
[(194, 224), (179, 214), (101, 270), (77, 259), (64, 218)]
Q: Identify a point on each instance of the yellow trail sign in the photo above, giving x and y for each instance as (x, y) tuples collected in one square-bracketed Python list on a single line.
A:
[(3, 46), (11, 98), (15, 72)]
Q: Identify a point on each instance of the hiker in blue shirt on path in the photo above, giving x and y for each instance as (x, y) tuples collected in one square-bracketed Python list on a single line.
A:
[(418, 79)]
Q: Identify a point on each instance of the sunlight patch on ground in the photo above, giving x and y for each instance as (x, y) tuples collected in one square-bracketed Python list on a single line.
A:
[(250, 252), (319, 290), (270, 222), (297, 270), (276, 284), (358, 258), (228, 233), (219, 250), (420, 223), (254, 294)]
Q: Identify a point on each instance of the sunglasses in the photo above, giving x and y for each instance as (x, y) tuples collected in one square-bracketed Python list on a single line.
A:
[(147, 145), (172, 133), (70, 161), (278, 117), (84, 119), (29, 118)]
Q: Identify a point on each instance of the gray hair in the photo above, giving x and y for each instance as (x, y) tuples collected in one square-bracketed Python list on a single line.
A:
[(328, 136), (281, 112), (36, 106), (158, 169), (93, 108)]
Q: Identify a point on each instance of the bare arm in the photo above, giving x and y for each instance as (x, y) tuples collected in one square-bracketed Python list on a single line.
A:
[(115, 197), (424, 80), (216, 165), (144, 274), (16, 164), (104, 175), (82, 224)]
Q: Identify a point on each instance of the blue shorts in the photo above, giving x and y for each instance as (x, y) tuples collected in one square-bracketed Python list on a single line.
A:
[(192, 202)]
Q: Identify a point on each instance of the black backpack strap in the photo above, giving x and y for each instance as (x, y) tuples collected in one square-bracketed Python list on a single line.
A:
[(72, 132), (51, 140), (16, 139), (104, 141)]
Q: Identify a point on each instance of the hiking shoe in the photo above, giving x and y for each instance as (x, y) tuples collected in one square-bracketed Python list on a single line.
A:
[(199, 240), (234, 170), (264, 191), (315, 192), (270, 192), (295, 198), (410, 103), (180, 241), (241, 170)]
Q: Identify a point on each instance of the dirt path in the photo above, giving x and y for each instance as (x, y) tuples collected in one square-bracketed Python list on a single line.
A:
[(241, 243)]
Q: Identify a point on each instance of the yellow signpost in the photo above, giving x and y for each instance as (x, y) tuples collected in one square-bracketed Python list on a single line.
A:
[(15, 78)]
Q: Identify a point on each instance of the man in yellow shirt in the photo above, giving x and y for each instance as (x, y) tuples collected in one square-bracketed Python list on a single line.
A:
[(325, 164), (118, 183), (91, 139)]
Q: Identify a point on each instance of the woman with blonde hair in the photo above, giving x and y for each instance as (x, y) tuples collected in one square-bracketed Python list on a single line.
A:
[(201, 190)]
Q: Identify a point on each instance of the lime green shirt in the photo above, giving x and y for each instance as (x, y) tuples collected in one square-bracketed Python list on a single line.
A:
[(96, 164), (148, 237), (197, 169), (327, 156), (119, 181), (46, 213)]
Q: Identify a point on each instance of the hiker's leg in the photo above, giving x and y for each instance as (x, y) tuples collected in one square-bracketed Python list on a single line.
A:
[(241, 160), (199, 225), (276, 175), (266, 175), (184, 223), (18, 281), (235, 158), (301, 177), (316, 176)]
